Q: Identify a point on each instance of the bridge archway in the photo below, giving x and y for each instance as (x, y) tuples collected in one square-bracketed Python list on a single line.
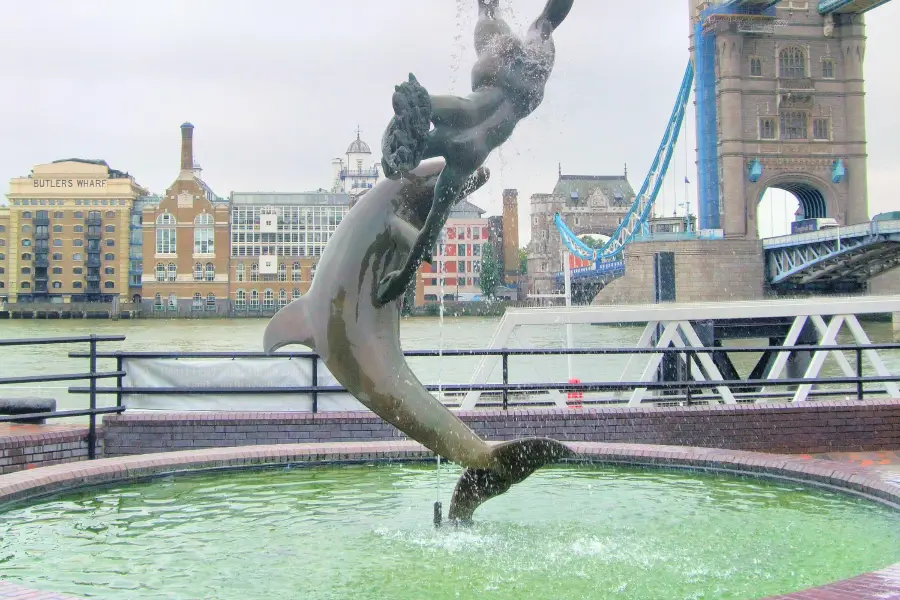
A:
[(787, 197)]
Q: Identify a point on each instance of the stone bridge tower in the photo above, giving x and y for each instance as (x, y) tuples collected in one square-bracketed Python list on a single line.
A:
[(780, 103)]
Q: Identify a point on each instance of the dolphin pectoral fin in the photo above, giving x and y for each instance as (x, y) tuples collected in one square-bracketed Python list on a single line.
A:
[(515, 461), (290, 325)]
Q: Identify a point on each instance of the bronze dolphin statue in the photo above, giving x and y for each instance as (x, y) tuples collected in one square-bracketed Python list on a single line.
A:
[(358, 338)]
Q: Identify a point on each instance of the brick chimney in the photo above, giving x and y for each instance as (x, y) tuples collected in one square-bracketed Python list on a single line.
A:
[(187, 147)]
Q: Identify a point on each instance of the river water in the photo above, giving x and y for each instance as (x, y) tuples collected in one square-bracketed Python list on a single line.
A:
[(416, 333)]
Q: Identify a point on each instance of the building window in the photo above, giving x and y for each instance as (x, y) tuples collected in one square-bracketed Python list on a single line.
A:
[(77, 257), (109, 270), (239, 272), (56, 285), (295, 293), (2, 270), (26, 271), (160, 272), (210, 302), (755, 67), (77, 270), (110, 243), (268, 299), (57, 229), (197, 304), (58, 215), (26, 228), (109, 256), (78, 243), (198, 272), (172, 272), (282, 298), (173, 302), (204, 234), (109, 284), (828, 69), (78, 229), (767, 128), (57, 243), (2, 228), (240, 299), (57, 256), (76, 284), (2, 285), (254, 272), (25, 285), (26, 256), (210, 272), (26, 215), (793, 125), (57, 270), (296, 273), (26, 243), (110, 214), (157, 302), (254, 299), (282, 272), (165, 234), (109, 228), (792, 63), (821, 129)]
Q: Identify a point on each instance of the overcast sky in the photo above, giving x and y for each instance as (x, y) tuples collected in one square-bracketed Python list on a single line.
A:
[(276, 88)]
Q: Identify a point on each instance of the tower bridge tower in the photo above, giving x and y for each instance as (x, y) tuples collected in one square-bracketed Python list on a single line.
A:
[(780, 103)]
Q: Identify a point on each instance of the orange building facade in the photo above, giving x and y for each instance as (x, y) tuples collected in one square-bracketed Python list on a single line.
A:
[(185, 245)]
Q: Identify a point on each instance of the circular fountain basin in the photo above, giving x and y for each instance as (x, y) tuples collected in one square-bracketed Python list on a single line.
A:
[(366, 532)]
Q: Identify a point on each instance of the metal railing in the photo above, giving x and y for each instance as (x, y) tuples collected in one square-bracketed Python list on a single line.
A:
[(92, 390), (686, 389)]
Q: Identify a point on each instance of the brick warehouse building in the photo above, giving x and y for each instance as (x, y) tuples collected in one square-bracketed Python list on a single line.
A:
[(186, 244), (65, 238)]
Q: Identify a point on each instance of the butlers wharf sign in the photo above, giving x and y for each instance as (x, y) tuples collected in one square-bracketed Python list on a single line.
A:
[(70, 183)]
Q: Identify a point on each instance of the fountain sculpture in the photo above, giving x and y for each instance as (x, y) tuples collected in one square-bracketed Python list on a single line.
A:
[(351, 314)]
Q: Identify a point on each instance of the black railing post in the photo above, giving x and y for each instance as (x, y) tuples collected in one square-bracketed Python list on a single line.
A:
[(859, 369), (119, 362), (315, 382), (688, 379), (505, 380), (92, 426)]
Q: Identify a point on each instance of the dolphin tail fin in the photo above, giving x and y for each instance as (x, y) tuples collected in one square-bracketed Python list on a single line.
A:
[(290, 325), (515, 461)]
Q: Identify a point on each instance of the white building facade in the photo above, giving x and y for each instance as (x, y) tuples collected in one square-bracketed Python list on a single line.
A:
[(357, 172)]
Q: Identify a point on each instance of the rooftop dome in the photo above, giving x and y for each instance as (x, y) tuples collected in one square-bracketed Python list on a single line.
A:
[(358, 146)]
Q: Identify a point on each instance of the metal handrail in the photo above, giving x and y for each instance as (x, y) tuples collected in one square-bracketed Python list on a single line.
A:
[(92, 375)]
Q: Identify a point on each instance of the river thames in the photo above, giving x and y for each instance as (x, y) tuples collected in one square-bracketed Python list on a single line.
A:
[(419, 333)]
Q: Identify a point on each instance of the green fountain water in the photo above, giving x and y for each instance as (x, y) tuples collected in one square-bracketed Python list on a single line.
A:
[(365, 532)]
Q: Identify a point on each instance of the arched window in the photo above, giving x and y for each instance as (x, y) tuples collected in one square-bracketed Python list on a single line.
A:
[(25, 285), (109, 228), (56, 256), (296, 272), (198, 271), (56, 285), (57, 229), (109, 284), (198, 302), (210, 302), (268, 299), (295, 294), (755, 67), (160, 272), (239, 272), (282, 298), (204, 234), (26, 256), (26, 271), (240, 299), (76, 285), (2, 285), (172, 272), (26, 228), (110, 214), (254, 299), (109, 256), (791, 63), (282, 272), (210, 272), (165, 234), (254, 272), (109, 271)]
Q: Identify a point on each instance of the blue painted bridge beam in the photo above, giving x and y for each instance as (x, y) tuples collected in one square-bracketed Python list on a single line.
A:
[(848, 6)]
